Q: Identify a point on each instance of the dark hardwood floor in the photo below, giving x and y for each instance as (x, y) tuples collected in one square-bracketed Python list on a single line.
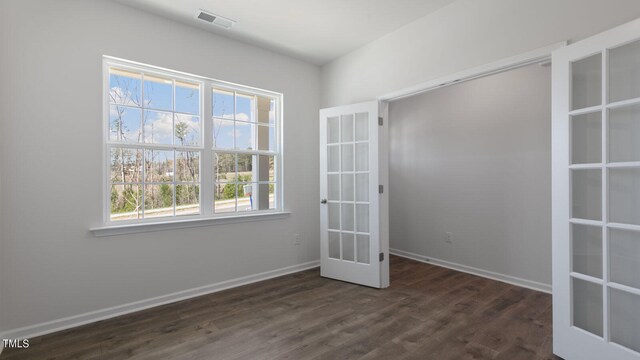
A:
[(428, 312)]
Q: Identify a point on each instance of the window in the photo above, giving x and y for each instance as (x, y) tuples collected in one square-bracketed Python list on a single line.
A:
[(180, 146)]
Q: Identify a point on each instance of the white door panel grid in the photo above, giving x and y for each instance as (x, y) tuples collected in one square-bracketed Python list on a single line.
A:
[(596, 197), (349, 192)]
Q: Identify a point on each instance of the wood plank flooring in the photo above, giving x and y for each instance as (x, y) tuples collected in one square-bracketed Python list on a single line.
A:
[(428, 312)]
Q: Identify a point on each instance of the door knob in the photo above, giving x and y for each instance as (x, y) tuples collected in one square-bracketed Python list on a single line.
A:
[(323, 201)]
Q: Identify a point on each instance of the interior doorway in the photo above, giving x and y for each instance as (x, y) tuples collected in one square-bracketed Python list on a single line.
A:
[(470, 176)]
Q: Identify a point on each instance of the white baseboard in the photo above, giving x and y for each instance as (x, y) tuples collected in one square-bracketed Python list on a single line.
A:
[(93, 316), (534, 285)]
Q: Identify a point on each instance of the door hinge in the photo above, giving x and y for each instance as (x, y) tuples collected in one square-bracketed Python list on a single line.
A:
[(380, 121), (380, 189), (381, 257)]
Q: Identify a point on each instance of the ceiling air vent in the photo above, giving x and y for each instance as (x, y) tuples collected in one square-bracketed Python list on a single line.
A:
[(215, 19)]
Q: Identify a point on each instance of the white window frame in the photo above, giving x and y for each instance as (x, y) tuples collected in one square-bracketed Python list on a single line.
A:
[(206, 148)]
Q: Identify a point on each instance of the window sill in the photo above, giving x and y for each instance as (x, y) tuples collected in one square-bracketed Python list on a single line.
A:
[(112, 230)]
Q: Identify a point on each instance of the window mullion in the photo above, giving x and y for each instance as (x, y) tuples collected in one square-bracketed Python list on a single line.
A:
[(206, 166)]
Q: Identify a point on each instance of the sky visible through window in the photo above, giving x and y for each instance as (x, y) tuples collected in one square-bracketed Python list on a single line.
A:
[(163, 116)]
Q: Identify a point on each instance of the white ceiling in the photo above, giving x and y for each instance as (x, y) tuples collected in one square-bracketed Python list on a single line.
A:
[(314, 30)]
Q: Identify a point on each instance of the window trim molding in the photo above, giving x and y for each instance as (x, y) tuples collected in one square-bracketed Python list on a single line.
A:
[(207, 216), (143, 227)]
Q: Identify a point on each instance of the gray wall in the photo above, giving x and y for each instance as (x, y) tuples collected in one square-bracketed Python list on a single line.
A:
[(462, 35), (474, 159), (52, 266)]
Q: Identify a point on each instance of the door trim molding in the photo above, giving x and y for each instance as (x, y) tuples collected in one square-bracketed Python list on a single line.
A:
[(540, 55)]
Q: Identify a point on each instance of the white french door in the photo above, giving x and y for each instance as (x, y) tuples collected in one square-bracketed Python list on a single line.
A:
[(596, 197), (350, 198)]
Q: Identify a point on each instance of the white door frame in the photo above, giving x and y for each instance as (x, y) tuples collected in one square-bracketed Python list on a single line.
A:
[(540, 55), (570, 341), (375, 272)]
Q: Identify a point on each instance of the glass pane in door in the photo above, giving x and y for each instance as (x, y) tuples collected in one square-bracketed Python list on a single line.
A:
[(587, 306), (624, 195), (586, 247), (586, 188), (363, 248), (586, 138), (624, 134), (624, 257), (625, 319), (624, 72), (348, 187), (586, 82)]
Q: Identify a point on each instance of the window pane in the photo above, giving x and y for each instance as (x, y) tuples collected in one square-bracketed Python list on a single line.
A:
[(272, 112), (245, 135), (158, 127), (187, 200), (224, 167), (266, 110), (225, 198), (126, 202), (247, 197), (158, 166), (187, 98), (158, 200), (223, 106), (246, 167), (266, 138), (126, 165), (124, 124), (267, 168), (158, 93), (125, 87), (222, 134), (188, 166), (265, 197), (187, 130), (245, 108), (272, 196), (155, 182)]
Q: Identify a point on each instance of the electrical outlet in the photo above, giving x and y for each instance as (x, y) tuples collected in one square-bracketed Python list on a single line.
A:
[(298, 239), (448, 238)]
